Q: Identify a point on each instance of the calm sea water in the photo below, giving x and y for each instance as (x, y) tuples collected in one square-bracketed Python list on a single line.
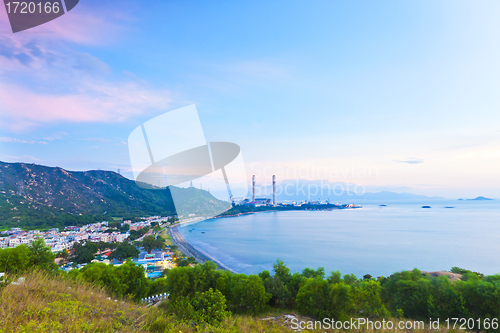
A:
[(373, 240)]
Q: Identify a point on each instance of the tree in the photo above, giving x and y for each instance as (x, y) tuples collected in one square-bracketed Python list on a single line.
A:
[(135, 234), (181, 262), (84, 253), (15, 260), (125, 250), (244, 293), (63, 254), (102, 246), (150, 243), (277, 284), (210, 307), (22, 258), (102, 275), (127, 280), (312, 298), (41, 255), (311, 273), (133, 278)]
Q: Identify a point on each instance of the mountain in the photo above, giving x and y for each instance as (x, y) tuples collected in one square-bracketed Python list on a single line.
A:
[(302, 189), (39, 196), (480, 198)]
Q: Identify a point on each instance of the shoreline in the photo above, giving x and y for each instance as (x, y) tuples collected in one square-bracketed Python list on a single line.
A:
[(189, 250)]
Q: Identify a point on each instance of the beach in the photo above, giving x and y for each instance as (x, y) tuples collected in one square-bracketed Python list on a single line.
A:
[(189, 250)]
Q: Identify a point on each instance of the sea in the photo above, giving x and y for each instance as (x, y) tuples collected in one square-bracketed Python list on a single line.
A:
[(376, 240)]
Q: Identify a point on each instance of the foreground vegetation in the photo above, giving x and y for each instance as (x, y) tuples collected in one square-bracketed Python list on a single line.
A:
[(45, 302), (202, 297)]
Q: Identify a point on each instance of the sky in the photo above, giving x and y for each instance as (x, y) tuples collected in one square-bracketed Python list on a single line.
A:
[(391, 95)]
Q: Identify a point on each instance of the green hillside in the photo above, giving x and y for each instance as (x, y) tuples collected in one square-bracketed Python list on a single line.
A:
[(36, 196)]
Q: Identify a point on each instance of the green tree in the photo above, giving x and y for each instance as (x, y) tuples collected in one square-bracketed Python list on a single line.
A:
[(150, 243), (276, 285), (133, 279), (102, 246), (41, 255), (366, 296), (63, 254), (312, 298), (22, 258), (244, 293), (84, 253), (127, 280), (181, 262), (102, 275), (296, 282), (15, 260), (408, 291), (210, 307), (124, 251), (311, 273)]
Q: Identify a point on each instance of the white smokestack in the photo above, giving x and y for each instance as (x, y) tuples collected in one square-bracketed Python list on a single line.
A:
[(253, 188), (274, 190)]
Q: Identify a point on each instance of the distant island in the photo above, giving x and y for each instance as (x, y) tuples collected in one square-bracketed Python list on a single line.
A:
[(479, 198)]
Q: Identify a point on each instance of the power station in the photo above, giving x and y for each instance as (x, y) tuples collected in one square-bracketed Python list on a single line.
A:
[(261, 201)]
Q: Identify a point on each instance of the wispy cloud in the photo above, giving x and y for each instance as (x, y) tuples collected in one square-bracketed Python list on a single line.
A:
[(410, 161), (97, 139), (16, 140), (56, 136)]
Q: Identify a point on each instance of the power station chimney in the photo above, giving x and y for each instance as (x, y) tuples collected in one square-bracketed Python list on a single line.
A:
[(253, 188), (274, 190)]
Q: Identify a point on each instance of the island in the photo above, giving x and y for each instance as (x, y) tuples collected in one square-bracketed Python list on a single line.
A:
[(242, 209), (480, 198)]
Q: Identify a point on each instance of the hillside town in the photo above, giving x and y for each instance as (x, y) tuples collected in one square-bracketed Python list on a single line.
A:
[(154, 262), (60, 240)]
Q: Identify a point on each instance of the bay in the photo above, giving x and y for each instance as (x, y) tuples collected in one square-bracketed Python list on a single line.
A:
[(372, 240)]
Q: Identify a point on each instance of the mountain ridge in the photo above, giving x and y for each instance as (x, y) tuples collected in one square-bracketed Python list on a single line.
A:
[(33, 195)]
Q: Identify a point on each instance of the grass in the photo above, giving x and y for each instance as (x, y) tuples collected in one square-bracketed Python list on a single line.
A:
[(164, 234), (45, 303)]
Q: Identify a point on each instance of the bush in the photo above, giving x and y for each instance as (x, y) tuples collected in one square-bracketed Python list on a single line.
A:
[(205, 307), (24, 258)]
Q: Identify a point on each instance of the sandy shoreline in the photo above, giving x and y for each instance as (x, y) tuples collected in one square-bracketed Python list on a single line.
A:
[(189, 250)]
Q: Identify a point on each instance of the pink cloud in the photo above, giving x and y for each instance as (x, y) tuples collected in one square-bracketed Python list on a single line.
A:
[(23, 109), (50, 81)]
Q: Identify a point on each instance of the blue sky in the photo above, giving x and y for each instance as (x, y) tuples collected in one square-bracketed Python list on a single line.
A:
[(392, 95)]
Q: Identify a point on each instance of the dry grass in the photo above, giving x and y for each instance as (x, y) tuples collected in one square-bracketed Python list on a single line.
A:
[(44, 303), (53, 304)]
